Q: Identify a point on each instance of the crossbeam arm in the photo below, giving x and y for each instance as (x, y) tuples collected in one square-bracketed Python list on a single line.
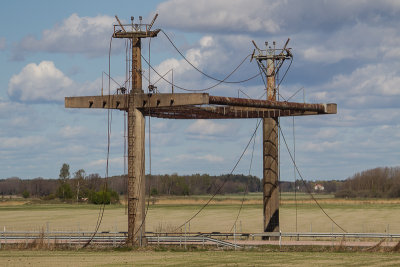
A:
[(140, 101)]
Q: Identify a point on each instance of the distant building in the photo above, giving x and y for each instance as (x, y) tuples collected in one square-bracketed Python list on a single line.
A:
[(319, 187)]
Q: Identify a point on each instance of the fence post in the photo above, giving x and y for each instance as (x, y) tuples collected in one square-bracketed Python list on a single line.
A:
[(234, 235), (280, 239), (185, 235), (180, 239), (47, 230)]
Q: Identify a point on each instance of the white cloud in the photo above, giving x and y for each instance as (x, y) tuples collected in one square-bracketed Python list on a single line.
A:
[(72, 131), (218, 15), (258, 16), (210, 54), (38, 83), (372, 85), (21, 142), (209, 129), (88, 35), (45, 83)]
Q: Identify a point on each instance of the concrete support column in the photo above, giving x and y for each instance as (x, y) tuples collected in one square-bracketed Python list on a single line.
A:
[(136, 175), (270, 155), (270, 175), (136, 65)]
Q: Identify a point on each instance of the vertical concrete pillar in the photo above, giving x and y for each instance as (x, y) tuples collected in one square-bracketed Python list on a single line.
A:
[(136, 65), (136, 152), (270, 156), (136, 177)]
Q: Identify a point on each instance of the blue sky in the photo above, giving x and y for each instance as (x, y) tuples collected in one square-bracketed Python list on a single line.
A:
[(345, 52)]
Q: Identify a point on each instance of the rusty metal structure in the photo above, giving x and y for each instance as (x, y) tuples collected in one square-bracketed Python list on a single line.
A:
[(139, 104)]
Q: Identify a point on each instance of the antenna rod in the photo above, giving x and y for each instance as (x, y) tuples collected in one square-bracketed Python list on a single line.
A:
[(254, 43), (152, 22), (284, 48), (120, 24)]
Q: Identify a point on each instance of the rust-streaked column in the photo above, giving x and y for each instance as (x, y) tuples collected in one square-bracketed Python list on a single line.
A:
[(270, 157), (136, 177), (136, 159), (136, 65)]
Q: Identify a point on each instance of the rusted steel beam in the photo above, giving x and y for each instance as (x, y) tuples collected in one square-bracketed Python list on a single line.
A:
[(232, 101), (220, 112)]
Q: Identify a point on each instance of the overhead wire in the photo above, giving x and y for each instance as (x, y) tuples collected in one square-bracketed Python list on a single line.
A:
[(223, 183), (196, 68), (305, 184), (109, 121), (247, 182), (203, 89), (294, 171)]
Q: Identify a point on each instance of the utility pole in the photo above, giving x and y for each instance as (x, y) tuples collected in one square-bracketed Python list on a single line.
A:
[(270, 128), (136, 132), (196, 106)]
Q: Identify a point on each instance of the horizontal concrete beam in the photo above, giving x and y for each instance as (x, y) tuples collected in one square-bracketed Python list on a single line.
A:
[(106, 102), (140, 101), (170, 100)]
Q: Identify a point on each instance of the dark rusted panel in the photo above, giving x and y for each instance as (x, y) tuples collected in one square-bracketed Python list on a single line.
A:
[(220, 100), (138, 34)]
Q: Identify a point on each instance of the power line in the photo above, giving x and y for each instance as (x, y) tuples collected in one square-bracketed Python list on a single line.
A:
[(223, 183), (203, 89), (305, 184), (202, 72), (109, 122), (247, 182)]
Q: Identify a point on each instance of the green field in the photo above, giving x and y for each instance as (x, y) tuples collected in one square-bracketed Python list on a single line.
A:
[(200, 258), (167, 213)]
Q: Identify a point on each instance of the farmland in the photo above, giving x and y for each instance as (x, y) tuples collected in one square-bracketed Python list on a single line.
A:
[(198, 258), (167, 213)]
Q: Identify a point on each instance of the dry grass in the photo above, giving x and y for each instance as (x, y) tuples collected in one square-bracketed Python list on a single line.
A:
[(198, 258), (169, 212)]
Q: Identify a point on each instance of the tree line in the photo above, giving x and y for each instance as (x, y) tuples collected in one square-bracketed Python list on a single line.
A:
[(378, 182), (373, 183), (80, 186)]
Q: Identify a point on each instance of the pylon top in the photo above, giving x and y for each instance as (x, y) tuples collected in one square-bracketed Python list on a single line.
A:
[(135, 30)]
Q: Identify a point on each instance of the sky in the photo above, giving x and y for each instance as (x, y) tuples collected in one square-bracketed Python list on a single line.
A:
[(345, 52)]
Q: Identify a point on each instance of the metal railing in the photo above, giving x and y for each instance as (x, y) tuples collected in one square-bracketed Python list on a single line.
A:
[(163, 238)]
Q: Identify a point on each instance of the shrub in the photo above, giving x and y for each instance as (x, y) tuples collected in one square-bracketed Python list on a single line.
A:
[(25, 194), (103, 197)]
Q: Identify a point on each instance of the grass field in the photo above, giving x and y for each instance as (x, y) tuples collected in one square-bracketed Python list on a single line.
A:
[(355, 215), (199, 258)]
